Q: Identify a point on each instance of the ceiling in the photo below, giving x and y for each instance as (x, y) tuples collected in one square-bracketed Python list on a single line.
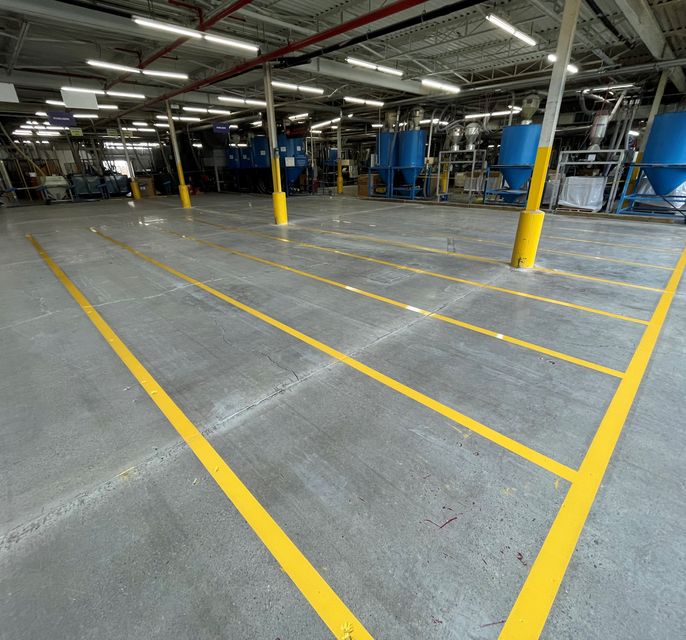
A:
[(44, 45)]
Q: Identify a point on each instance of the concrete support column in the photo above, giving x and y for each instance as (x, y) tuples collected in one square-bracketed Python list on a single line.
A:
[(135, 189), (339, 155), (183, 188), (278, 196), (531, 219)]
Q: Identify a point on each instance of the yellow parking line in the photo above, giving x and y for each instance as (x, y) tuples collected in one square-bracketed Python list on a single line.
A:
[(617, 244), (532, 607), (560, 252), (466, 256), (402, 305), (433, 274), (318, 593), (496, 437)]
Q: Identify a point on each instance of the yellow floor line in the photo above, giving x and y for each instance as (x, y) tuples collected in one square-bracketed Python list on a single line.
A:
[(561, 252), (461, 419), (433, 274), (419, 247), (402, 305), (318, 593), (532, 607), (638, 247)]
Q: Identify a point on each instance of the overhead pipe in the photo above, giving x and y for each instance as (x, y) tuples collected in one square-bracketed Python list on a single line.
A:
[(203, 25), (355, 23), (440, 12)]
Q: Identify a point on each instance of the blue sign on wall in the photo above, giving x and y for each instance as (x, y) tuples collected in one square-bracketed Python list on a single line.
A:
[(220, 127), (61, 119)]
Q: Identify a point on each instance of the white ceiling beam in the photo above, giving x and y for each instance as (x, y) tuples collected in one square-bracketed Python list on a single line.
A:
[(642, 20)]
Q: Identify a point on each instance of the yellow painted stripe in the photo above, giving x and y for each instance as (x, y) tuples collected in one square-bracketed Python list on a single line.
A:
[(433, 274), (498, 438), (414, 309), (419, 247), (532, 607), (616, 244), (318, 593)]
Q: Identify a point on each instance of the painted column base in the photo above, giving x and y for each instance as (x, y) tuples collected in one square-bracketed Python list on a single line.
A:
[(526, 241), (185, 196), (280, 210), (135, 190)]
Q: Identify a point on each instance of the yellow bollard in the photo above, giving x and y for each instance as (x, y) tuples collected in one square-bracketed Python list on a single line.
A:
[(135, 190), (185, 196), (280, 211), (339, 177), (526, 242)]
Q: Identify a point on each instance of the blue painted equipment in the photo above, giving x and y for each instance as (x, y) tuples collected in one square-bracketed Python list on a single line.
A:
[(293, 160), (518, 148), (664, 167), (411, 145), (233, 158), (386, 149), (260, 152)]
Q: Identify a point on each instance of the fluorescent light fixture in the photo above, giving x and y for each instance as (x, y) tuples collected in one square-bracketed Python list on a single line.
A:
[(22, 132), (611, 87), (98, 92), (377, 125), (440, 86), (219, 112), (297, 87), (434, 121), (230, 42), (195, 109), (506, 26), (369, 103), (122, 94), (255, 103), (110, 65), (162, 125), (165, 74), (571, 68), (299, 116), (257, 123), (635, 134), (493, 114), (42, 114), (187, 118), (319, 125), (57, 103), (171, 28), (50, 133), (139, 124), (356, 62), (111, 107), (145, 129), (198, 145), (90, 116)]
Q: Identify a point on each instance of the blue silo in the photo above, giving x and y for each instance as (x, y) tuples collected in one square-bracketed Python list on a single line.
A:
[(518, 146), (260, 152), (233, 158), (666, 145), (411, 145), (293, 159), (387, 149), (245, 155)]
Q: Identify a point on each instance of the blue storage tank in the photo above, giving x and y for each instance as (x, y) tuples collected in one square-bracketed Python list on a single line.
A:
[(666, 145), (411, 146), (519, 145), (386, 151), (245, 154), (292, 169), (233, 158), (260, 152)]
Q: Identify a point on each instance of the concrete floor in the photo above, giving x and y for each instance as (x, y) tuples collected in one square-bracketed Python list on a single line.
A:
[(111, 528)]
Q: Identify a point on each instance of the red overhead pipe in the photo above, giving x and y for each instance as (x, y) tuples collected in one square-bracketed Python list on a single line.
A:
[(355, 23), (210, 21)]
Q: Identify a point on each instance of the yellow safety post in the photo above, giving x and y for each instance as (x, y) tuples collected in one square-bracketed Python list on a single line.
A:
[(183, 187), (135, 188), (278, 196), (531, 219)]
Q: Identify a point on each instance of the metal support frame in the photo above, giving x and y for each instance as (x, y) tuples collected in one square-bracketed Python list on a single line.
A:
[(448, 159), (636, 198), (135, 188), (615, 166)]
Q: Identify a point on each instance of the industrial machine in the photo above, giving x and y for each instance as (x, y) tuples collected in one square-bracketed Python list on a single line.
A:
[(657, 184)]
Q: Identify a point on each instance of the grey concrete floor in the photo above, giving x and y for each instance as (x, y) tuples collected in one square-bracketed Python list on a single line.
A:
[(110, 527)]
